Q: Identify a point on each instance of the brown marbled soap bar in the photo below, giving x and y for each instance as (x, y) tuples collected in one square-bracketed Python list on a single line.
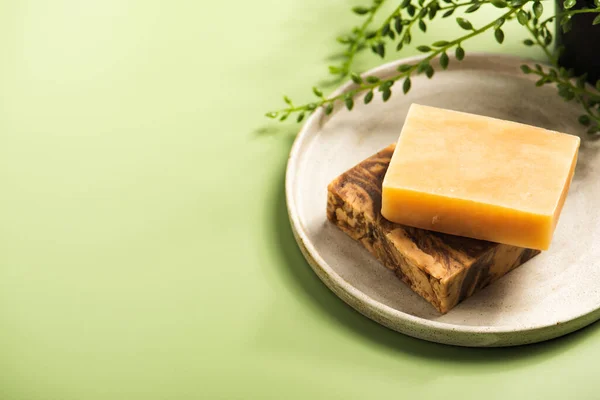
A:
[(443, 269)]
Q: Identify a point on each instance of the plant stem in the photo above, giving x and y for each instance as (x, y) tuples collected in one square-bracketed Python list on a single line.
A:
[(570, 12), (582, 11), (567, 81), (581, 94), (360, 34), (387, 21), (550, 56)]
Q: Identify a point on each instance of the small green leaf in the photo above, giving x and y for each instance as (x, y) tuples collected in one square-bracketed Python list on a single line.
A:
[(548, 39), (432, 11), (444, 60), (386, 94), (385, 30), (525, 69), (300, 117), (329, 108), (334, 70), (522, 17), (540, 82), (406, 85), (404, 3), (538, 67), (311, 106), (422, 67), (568, 95), (349, 103), (448, 13), (440, 43), (460, 53), (420, 2), (399, 46), (398, 25), (368, 97), (581, 81), (596, 20), (424, 49), (284, 117), (343, 39), (317, 92), (538, 9), (566, 27), (271, 114), (528, 42), (499, 23), (287, 100), (565, 19), (422, 25), (429, 71), (499, 3), (553, 74), (372, 79), (563, 72), (386, 85), (499, 35), (360, 10), (370, 34), (411, 10), (406, 67), (407, 38), (422, 13), (356, 78), (465, 24), (584, 120), (473, 8), (569, 4), (379, 49)]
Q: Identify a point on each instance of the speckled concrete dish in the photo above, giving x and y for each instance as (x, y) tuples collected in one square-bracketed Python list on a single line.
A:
[(555, 293)]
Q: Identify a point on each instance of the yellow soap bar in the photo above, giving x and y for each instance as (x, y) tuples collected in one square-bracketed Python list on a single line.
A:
[(479, 177)]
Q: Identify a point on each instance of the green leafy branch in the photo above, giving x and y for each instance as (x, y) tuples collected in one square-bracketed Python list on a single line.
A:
[(398, 26), (370, 84), (356, 40), (569, 86)]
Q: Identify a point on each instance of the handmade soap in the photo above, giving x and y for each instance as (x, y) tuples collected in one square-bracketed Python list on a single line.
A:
[(443, 269), (479, 177)]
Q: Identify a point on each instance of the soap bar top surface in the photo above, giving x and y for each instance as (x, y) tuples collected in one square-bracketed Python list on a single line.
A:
[(472, 165)]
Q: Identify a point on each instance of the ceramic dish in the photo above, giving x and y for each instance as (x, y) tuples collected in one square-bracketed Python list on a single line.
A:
[(555, 293)]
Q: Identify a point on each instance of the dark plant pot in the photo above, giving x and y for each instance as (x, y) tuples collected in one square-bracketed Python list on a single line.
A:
[(581, 43)]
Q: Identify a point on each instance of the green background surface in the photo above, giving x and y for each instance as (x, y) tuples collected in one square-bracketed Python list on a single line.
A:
[(145, 251)]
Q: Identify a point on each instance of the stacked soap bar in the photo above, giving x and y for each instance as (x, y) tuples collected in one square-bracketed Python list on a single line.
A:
[(442, 268), (479, 177)]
